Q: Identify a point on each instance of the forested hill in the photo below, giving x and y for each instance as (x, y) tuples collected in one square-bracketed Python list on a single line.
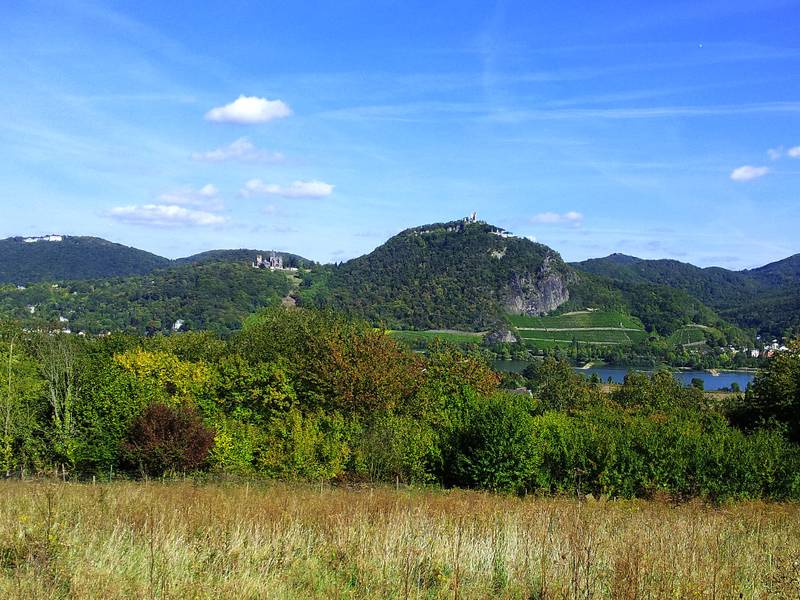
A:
[(57, 258), (445, 275), (766, 299), (244, 256), (215, 296)]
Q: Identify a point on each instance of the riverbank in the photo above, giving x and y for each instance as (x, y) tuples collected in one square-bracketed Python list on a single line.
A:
[(721, 381)]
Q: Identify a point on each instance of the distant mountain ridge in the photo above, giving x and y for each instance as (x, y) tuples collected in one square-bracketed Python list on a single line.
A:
[(54, 257), (62, 257), (463, 274), (766, 298), (473, 276)]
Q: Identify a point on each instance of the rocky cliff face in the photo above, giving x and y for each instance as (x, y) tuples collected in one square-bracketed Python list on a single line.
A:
[(538, 293)]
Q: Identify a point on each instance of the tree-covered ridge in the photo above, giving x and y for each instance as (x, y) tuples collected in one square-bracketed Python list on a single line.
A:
[(766, 299), (71, 257), (215, 296), (244, 256), (460, 275), (453, 275)]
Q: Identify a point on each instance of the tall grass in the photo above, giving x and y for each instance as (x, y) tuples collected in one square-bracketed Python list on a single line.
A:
[(179, 540)]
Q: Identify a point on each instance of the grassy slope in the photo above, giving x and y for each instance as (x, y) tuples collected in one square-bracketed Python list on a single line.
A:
[(593, 327), (454, 337), (180, 540)]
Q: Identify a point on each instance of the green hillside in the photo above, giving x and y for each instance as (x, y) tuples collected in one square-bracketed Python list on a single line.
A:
[(69, 257), (462, 275), (692, 335), (594, 327), (453, 275), (766, 299), (243, 256), (213, 296), (472, 276), (421, 339)]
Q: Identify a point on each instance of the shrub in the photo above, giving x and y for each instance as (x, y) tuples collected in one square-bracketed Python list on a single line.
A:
[(164, 439), (496, 448)]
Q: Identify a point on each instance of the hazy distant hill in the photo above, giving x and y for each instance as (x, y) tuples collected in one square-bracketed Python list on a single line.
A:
[(766, 299), (244, 256), (58, 258), (459, 275), (63, 258), (473, 276)]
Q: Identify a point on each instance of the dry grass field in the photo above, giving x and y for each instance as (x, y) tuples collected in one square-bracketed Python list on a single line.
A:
[(180, 540)]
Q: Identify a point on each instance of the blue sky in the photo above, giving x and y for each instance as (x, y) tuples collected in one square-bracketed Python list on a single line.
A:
[(666, 129)]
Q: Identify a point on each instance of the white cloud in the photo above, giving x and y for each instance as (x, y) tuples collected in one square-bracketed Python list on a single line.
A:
[(775, 153), (794, 152), (298, 189), (242, 150), (164, 215), (747, 172), (206, 198), (247, 110), (551, 218)]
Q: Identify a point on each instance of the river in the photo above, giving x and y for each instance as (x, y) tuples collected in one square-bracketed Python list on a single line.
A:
[(617, 374)]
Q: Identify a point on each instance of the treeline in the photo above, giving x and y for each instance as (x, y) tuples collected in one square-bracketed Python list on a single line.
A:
[(213, 296), (303, 394)]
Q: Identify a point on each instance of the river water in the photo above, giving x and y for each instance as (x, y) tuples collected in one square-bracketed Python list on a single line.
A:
[(617, 374)]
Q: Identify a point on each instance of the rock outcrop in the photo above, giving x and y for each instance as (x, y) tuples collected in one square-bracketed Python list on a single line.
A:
[(501, 336), (536, 294)]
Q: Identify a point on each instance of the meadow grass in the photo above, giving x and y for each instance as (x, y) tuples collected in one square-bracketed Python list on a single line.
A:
[(578, 319), (452, 337), (687, 335), (591, 336), (181, 540)]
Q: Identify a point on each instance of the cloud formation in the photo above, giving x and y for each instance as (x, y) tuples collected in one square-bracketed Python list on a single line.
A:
[(206, 198), (247, 110), (748, 172), (242, 150), (794, 152), (297, 189), (552, 218), (164, 215)]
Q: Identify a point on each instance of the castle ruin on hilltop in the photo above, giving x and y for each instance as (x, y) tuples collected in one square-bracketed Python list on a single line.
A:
[(274, 262)]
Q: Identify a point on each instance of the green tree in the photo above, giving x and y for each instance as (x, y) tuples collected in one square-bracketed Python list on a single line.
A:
[(20, 388), (496, 449), (774, 396), (556, 385), (58, 362)]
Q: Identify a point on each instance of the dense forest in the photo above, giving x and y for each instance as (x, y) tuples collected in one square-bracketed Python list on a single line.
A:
[(459, 275), (304, 394), (213, 296), (446, 275), (71, 257), (766, 299)]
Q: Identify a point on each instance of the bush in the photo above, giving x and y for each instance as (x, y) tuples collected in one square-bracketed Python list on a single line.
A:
[(496, 447), (164, 440), (392, 447)]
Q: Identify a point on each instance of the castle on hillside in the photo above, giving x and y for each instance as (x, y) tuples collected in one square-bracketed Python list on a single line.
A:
[(273, 263)]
